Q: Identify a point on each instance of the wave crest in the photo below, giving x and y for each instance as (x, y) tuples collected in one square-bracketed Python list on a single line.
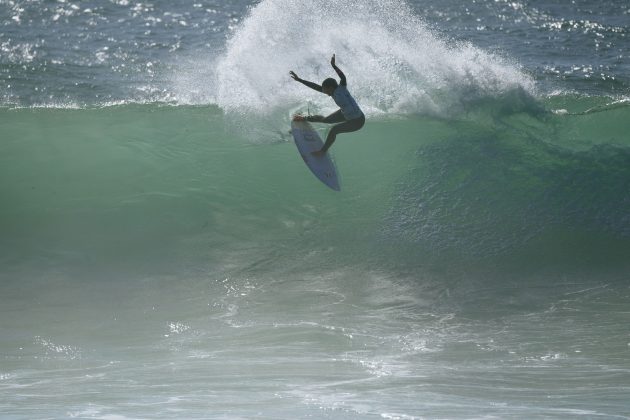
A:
[(394, 62)]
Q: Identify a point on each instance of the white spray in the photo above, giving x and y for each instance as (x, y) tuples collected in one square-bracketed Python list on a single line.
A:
[(393, 61)]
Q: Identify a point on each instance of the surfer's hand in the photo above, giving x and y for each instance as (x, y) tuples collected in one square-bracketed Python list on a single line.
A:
[(318, 153), (294, 76), (332, 61)]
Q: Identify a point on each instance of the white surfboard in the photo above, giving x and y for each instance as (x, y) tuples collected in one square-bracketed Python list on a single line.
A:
[(307, 140)]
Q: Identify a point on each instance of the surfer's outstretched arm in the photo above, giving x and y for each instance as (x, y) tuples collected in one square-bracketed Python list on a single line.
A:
[(342, 76), (312, 85)]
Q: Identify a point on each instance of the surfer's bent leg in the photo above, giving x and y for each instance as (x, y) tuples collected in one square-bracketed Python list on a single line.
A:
[(344, 127), (335, 117)]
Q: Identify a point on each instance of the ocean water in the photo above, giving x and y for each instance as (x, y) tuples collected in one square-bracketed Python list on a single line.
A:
[(165, 253)]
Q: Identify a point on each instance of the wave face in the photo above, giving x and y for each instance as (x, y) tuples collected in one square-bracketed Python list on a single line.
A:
[(486, 184), (165, 252), (147, 238)]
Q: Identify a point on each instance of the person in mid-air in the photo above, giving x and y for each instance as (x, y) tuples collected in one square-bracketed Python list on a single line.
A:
[(349, 115)]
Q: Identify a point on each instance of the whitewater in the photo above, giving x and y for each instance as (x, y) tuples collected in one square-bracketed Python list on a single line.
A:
[(165, 252)]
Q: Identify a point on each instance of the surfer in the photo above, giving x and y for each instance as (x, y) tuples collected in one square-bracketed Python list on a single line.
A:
[(349, 116)]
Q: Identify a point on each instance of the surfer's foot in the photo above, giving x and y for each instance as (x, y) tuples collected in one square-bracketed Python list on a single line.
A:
[(318, 153), (298, 117)]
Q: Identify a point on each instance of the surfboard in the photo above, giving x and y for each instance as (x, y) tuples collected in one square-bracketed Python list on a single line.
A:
[(307, 140)]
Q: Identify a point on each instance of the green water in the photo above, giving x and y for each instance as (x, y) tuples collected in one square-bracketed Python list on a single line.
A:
[(159, 260), (484, 184)]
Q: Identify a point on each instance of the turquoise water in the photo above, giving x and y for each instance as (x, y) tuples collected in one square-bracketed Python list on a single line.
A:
[(165, 253)]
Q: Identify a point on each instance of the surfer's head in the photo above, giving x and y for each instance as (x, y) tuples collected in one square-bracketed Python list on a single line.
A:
[(329, 85)]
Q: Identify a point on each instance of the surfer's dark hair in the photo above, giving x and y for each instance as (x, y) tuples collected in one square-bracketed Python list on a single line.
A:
[(330, 83)]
